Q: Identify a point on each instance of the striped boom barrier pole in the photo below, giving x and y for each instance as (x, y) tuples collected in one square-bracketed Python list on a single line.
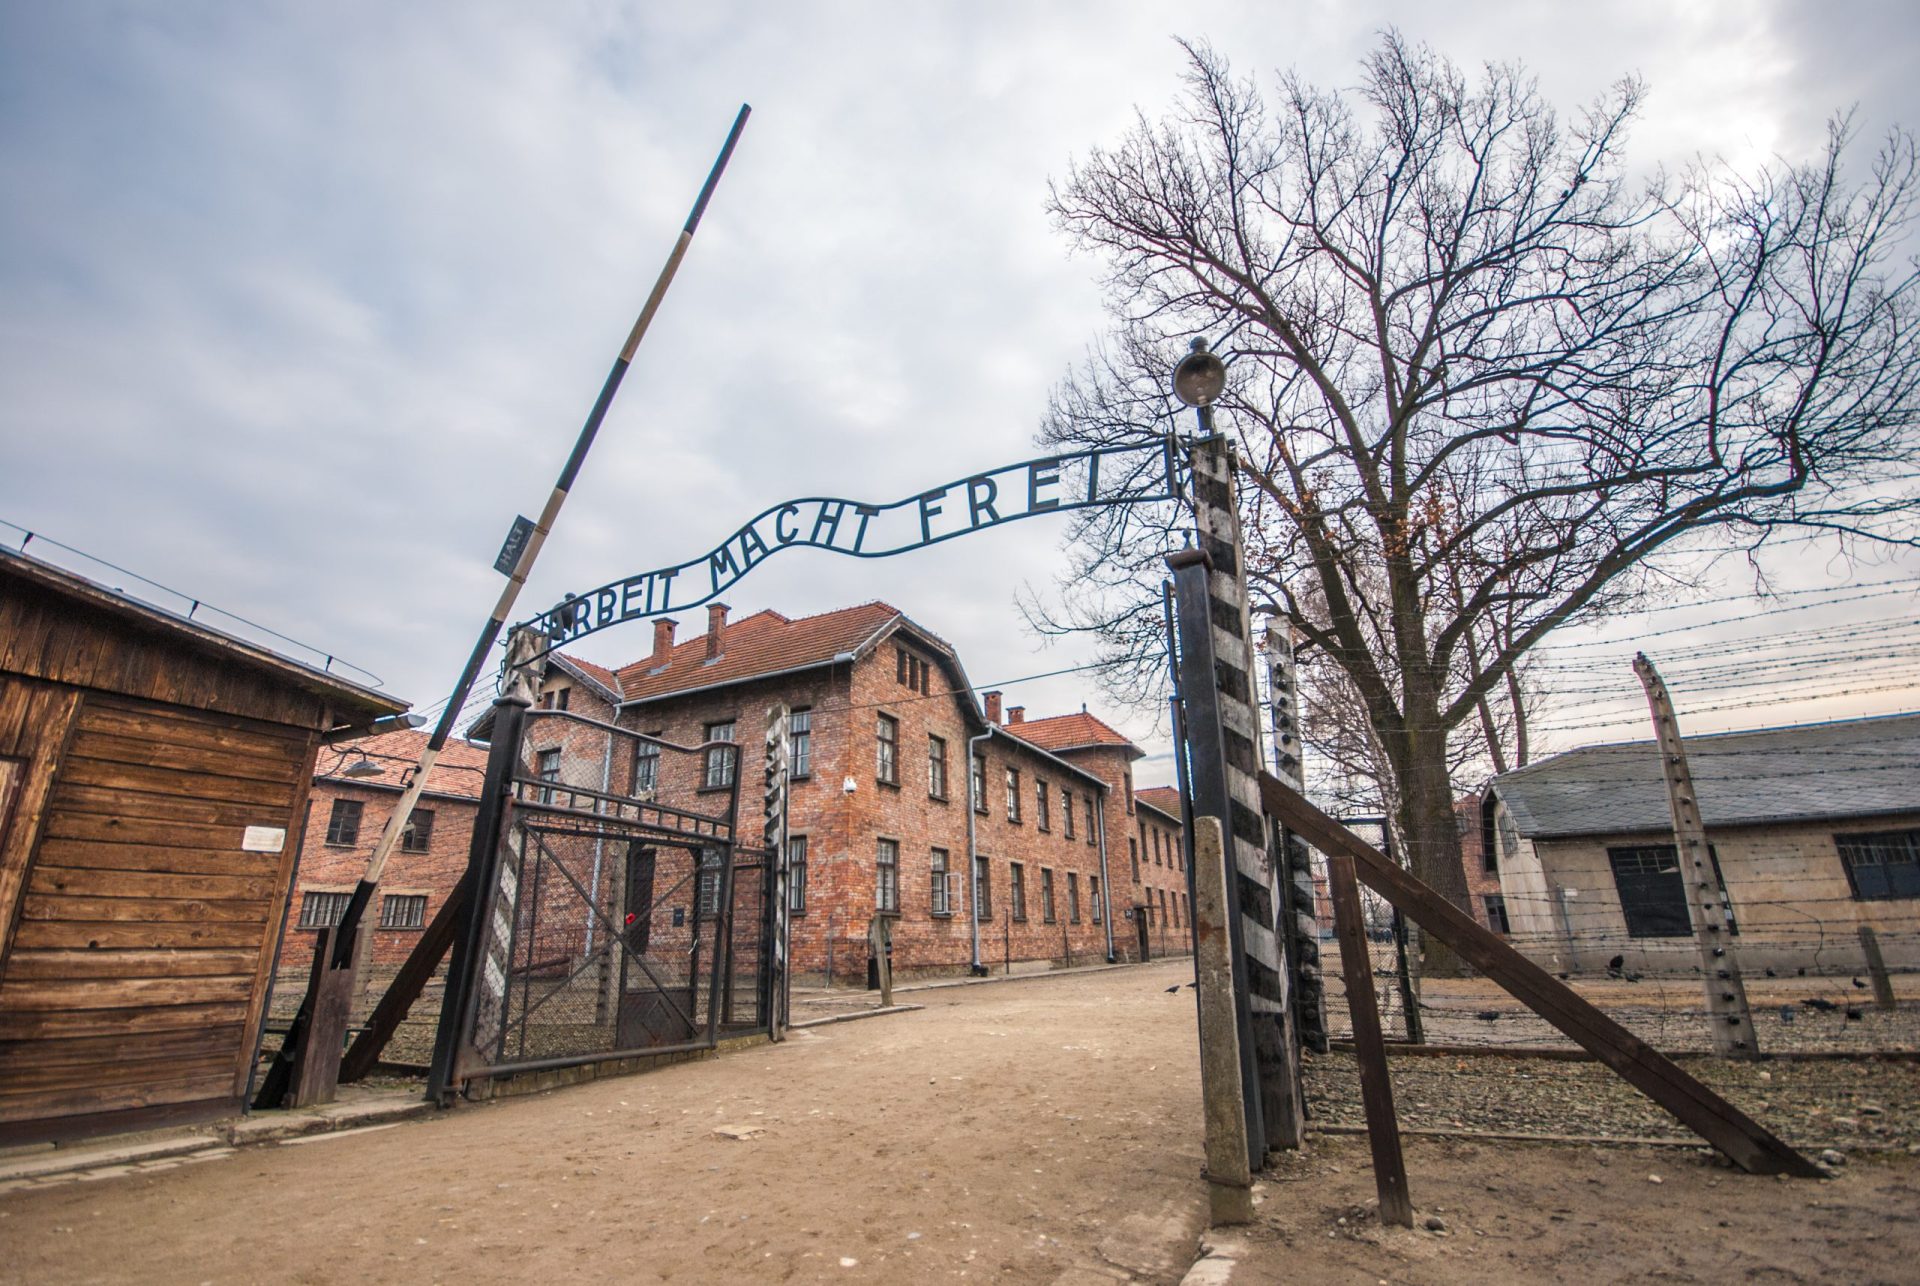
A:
[(516, 560)]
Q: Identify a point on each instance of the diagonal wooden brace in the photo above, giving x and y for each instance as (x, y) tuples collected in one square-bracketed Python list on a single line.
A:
[(1746, 1142)]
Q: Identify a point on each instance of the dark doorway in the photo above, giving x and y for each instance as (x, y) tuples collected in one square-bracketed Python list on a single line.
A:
[(1140, 927)]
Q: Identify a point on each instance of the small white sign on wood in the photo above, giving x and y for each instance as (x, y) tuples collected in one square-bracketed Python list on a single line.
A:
[(263, 839)]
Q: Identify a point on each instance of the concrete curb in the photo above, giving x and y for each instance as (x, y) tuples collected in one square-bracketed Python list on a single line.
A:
[(853, 1017), (111, 1157)]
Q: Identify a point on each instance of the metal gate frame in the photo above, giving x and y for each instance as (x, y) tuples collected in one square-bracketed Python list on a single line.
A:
[(516, 804)]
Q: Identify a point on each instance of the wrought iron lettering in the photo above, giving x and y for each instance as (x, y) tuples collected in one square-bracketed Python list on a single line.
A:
[(1137, 474)]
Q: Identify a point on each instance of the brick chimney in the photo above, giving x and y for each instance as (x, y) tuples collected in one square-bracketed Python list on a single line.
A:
[(1016, 714), (662, 640), (993, 707), (716, 622)]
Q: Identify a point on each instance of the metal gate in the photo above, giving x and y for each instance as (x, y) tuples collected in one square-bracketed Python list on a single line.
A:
[(612, 923)]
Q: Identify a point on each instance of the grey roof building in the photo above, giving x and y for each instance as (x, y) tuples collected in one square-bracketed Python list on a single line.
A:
[(1851, 768)]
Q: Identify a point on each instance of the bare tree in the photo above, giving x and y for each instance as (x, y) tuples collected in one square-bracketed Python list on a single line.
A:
[(1482, 381)]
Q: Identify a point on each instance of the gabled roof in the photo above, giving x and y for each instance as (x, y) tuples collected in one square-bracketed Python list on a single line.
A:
[(768, 643), (1077, 731), (459, 770), (599, 676), (1851, 768), (1161, 799)]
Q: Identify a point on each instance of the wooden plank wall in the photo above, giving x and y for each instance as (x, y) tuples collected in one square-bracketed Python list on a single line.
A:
[(142, 938)]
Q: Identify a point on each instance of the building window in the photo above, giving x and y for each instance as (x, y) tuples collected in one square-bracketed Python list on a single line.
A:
[(1653, 896), (1046, 896), (720, 758), (1017, 890), (800, 744), (1489, 857), (403, 911), (1066, 810), (942, 899), (709, 883), (646, 768), (1041, 818), (937, 767), (418, 837), (1073, 898), (797, 874), (546, 767), (343, 824), (1496, 912), (323, 910), (1013, 795), (1133, 855), (1156, 847), (887, 750), (886, 879), (979, 783), (1126, 782), (1093, 898), (1176, 910), (911, 670), (982, 890), (1092, 830), (1881, 864)]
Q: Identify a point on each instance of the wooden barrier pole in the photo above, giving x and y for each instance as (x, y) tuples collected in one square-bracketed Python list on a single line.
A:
[(1745, 1141), (1376, 1090)]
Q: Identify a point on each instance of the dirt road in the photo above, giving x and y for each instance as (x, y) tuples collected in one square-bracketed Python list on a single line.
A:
[(1042, 1130), (1027, 1131)]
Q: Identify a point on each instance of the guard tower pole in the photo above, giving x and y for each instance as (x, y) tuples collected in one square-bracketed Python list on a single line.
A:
[(1707, 908)]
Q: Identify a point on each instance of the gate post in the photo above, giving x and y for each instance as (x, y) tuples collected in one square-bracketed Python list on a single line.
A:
[(1215, 630), (464, 979), (1297, 909), (779, 913)]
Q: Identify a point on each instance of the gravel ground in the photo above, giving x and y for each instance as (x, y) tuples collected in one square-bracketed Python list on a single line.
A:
[(1849, 1104)]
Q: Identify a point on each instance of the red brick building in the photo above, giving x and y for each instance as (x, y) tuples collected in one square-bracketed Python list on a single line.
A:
[(899, 777)]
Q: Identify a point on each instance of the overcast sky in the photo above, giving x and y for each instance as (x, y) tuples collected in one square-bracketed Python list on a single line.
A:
[(300, 304)]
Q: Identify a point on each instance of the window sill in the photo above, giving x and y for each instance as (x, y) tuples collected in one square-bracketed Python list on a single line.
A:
[(341, 843), (941, 915), (890, 785), (938, 799), (714, 790)]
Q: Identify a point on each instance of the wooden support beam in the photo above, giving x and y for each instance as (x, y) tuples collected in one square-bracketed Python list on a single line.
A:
[(316, 1064), (1876, 969), (1222, 1091), (1376, 1090), (1747, 1143), (405, 988)]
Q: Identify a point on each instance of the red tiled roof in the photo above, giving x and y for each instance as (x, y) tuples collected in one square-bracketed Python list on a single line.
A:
[(764, 643), (458, 771), (1164, 798), (1071, 732), (598, 673)]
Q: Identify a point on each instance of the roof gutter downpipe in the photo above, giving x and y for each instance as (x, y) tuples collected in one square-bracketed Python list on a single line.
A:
[(973, 857), (1106, 884)]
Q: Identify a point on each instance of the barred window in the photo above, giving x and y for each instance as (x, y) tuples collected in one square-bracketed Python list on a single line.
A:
[(1017, 890), (800, 743), (1013, 794), (1093, 831), (719, 758), (323, 910), (1093, 898), (797, 874), (1046, 895), (1066, 810), (418, 837), (942, 901), (1041, 818), (979, 783), (886, 883), (887, 750), (982, 889), (1881, 865), (1073, 898), (709, 883), (343, 824), (403, 911)]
